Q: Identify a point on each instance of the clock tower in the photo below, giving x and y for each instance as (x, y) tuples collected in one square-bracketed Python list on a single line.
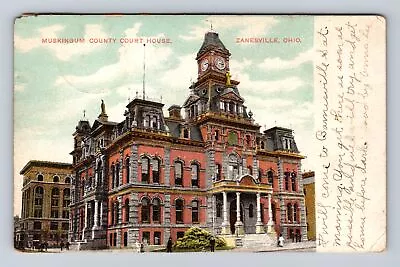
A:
[(213, 57)]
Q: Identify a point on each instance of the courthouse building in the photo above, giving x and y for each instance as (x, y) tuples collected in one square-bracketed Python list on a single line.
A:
[(151, 177), (45, 203)]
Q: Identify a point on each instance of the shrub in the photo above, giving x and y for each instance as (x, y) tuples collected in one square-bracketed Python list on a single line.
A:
[(196, 238)]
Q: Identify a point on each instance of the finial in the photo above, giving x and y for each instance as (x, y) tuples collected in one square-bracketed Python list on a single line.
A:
[(84, 114)]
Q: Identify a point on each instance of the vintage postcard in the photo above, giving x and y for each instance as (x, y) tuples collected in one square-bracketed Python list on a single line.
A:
[(185, 133)]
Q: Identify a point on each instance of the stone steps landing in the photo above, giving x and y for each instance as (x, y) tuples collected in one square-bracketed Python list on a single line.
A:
[(256, 241)]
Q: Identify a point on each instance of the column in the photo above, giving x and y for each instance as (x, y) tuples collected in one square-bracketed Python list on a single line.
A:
[(86, 215), (259, 223), (101, 214), (238, 224), (96, 214), (270, 224), (225, 225)]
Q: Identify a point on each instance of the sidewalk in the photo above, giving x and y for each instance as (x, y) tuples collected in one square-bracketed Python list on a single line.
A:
[(301, 246)]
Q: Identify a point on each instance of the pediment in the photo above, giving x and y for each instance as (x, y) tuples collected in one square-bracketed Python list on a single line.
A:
[(191, 99), (231, 95), (247, 180)]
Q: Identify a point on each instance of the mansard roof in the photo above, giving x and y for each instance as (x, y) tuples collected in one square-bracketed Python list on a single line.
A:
[(212, 42), (175, 129)]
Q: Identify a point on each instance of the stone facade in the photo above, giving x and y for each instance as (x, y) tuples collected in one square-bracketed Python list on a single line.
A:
[(45, 203), (157, 176)]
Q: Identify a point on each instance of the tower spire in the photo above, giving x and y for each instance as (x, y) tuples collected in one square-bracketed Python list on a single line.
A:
[(144, 71)]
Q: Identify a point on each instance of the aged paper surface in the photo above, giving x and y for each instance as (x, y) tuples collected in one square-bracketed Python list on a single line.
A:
[(133, 131), (350, 123)]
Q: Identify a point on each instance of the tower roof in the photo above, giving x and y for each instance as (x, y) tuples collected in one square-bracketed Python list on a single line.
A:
[(212, 42)]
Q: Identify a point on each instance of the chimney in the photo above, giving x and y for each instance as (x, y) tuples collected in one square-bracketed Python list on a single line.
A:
[(175, 112)]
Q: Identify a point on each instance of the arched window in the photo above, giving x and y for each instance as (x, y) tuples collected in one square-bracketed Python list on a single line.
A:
[(179, 210), (117, 170), (112, 175), (55, 195), (262, 145), (146, 121), (116, 212), (156, 210), (126, 210), (218, 171), (145, 170), (40, 177), (289, 212), (287, 174), (270, 176), (251, 211), (195, 174), (67, 180), (127, 165), (219, 209), (273, 212), (56, 179), (156, 170), (195, 211), (145, 210), (178, 173), (293, 181), (295, 209)]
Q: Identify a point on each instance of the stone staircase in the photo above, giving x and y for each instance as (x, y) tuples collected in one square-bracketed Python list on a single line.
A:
[(256, 241)]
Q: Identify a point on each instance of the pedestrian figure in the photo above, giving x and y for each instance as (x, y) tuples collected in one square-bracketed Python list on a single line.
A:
[(280, 240), (141, 247), (46, 245), (67, 245), (62, 245), (212, 244), (137, 247), (169, 245)]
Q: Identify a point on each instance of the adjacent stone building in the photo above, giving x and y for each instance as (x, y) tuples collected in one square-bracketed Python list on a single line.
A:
[(45, 203), (309, 194), (151, 177)]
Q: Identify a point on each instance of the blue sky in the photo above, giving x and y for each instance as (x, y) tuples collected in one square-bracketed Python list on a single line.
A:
[(54, 83)]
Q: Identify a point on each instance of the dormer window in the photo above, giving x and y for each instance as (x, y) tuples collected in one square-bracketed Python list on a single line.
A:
[(185, 133), (216, 135), (154, 122), (262, 145)]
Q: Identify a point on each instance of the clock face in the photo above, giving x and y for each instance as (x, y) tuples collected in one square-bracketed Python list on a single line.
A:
[(204, 65), (220, 63)]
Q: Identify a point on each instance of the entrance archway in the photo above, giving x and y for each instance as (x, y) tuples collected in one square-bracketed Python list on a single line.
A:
[(232, 215)]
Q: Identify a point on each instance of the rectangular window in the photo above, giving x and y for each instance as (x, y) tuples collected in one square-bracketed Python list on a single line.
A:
[(54, 214), (53, 225), (115, 239), (54, 202), (66, 203), (125, 239), (38, 212), (37, 225), (145, 170), (65, 226), (157, 238), (146, 238), (111, 239), (180, 234), (65, 214)]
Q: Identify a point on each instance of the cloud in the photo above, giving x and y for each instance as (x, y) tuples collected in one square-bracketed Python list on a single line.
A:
[(128, 67), (277, 63), (62, 51), (246, 25), (287, 84)]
